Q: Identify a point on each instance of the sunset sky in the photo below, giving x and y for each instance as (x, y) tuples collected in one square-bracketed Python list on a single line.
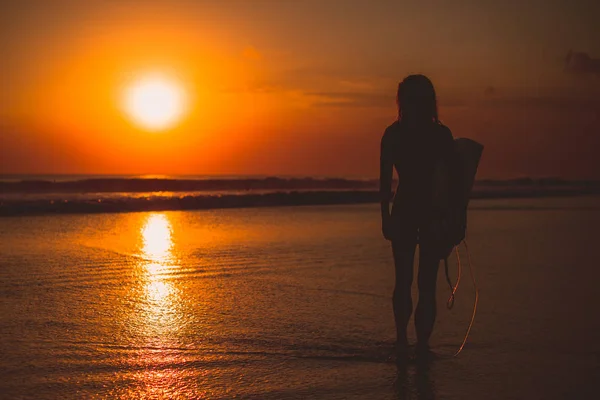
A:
[(296, 87)]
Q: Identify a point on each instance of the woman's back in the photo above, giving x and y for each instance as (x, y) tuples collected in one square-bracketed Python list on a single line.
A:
[(415, 150)]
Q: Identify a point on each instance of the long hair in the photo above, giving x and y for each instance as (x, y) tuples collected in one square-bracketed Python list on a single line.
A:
[(416, 100)]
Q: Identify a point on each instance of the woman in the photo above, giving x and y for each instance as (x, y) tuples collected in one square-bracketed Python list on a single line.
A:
[(413, 145)]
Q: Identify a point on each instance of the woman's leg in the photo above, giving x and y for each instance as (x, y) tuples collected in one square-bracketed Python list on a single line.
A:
[(426, 308), (404, 254)]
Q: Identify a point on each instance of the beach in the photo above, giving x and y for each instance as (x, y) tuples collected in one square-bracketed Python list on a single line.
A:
[(292, 302)]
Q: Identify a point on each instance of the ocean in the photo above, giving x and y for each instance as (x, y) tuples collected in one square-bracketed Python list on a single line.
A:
[(86, 194), (292, 303)]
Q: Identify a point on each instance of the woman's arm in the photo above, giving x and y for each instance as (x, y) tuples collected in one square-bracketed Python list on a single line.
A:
[(386, 170)]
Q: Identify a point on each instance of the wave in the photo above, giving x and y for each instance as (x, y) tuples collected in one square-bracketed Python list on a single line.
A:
[(129, 202), (188, 202), (148, 185)]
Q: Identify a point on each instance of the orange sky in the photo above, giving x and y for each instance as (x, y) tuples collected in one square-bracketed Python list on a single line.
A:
[(296, 88)]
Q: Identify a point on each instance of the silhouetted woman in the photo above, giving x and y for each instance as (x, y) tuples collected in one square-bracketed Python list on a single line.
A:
[(413, 145)]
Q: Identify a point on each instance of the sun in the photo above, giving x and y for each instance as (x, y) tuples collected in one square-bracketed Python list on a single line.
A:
[(155, 102)]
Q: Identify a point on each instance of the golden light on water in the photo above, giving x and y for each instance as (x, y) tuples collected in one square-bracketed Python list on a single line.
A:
[(159, 316), (157, 290), (156, 236), (156, 250), (155, 102)]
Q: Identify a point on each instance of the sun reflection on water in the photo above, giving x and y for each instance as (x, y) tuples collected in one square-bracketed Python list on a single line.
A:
[(156, 236), (158, 320), (160, 302)]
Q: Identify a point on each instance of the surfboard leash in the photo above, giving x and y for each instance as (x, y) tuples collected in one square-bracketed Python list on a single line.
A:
[(454, 288)]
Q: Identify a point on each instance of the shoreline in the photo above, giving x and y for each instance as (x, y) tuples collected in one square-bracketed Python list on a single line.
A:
[(12, 208)]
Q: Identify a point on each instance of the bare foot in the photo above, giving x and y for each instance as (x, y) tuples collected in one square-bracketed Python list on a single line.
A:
[(424, 353)]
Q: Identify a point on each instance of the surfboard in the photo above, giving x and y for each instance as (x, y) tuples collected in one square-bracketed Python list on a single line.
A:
[(469, 154), (453, 181)]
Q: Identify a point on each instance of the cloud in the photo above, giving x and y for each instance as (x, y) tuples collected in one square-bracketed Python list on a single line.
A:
[(351, 84), (572, 102), (351, 99), (582, 64)]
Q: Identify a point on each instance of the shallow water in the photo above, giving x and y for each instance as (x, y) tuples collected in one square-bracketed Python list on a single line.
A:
[(291, 303)]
